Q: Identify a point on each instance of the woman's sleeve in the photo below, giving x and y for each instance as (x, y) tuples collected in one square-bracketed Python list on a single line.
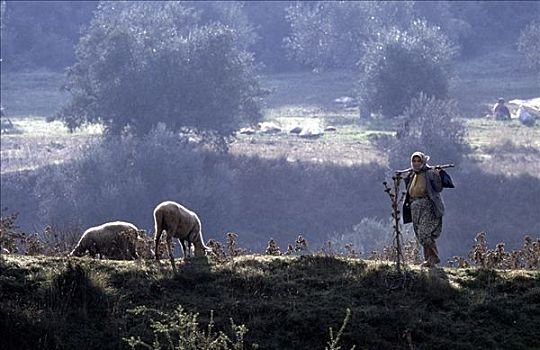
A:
[(437, 181)]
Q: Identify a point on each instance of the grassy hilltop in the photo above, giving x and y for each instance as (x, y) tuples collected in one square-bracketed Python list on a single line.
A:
[(285, 303)]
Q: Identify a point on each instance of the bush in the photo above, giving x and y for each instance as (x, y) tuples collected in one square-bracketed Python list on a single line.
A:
[(401, 64), (125, 179), (427, 125), (143, 63), (368, 235), (180, 329), (529, 44)]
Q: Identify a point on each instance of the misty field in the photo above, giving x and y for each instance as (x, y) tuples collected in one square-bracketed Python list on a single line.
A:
[(296, 99)]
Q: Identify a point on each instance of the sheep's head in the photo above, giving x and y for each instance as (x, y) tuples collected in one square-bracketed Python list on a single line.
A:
[(76, 252), (201, 250)]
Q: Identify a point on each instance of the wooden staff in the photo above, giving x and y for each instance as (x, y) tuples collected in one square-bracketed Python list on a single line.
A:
[(444, 166)]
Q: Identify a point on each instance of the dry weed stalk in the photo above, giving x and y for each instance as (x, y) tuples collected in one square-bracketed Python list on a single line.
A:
[(481, 256), (351, 253), (272, 248), (232, 245), (217, 250), (301, 244), (9, 234)]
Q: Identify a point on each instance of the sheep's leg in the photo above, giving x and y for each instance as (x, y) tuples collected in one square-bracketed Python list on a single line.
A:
[(169, 251), (189, 248), (132, 250), (158, 230), (183, 244)]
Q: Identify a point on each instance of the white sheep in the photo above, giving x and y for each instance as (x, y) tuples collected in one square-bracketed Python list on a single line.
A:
[(115, 240), (180, 223)]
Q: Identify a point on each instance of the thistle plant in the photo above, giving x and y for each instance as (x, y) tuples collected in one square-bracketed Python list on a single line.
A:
[(272, 248)]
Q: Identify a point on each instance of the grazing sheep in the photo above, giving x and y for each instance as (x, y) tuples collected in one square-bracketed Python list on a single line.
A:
[(180, 223), (114, 240)]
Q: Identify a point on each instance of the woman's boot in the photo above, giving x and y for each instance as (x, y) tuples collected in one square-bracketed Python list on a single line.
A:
[(434, 254), (427, 255)]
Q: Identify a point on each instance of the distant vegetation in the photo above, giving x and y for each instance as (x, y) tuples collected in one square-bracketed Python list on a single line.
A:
[(529, 44), (400, 64), (318, 34), (431, 124), (154, 64)]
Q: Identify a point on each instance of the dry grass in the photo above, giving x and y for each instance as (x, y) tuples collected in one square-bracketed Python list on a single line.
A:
[(504, 147), (39, 143), (32, 93)]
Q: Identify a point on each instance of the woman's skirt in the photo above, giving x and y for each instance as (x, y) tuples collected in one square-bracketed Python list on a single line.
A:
[(427, 226)]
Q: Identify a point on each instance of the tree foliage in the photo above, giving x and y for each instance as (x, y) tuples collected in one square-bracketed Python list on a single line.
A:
[(229, 13), (271, 28), (398, 65), (329, 34), (142, 63), (41, 34)]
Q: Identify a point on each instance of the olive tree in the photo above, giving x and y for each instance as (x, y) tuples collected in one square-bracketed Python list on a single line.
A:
[(399, 64), (332, 34), (142, 63)]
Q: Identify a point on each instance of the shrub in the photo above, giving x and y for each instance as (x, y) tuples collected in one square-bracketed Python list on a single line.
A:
[(180, 329), (398, 65), (142, 63), (428, 125), (125, 179), (368, 235), (9, 233), (528, 257)]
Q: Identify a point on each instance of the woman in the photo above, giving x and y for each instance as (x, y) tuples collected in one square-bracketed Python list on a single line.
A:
[(423, 196)]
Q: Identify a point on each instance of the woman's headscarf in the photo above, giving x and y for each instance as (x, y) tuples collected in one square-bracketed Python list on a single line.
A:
[(424, 158)]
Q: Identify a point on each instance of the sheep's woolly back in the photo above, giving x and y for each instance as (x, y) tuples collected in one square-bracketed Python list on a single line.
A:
[(114, 239)]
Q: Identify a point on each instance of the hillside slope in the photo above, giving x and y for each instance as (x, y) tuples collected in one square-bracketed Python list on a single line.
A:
[(285, 302)]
